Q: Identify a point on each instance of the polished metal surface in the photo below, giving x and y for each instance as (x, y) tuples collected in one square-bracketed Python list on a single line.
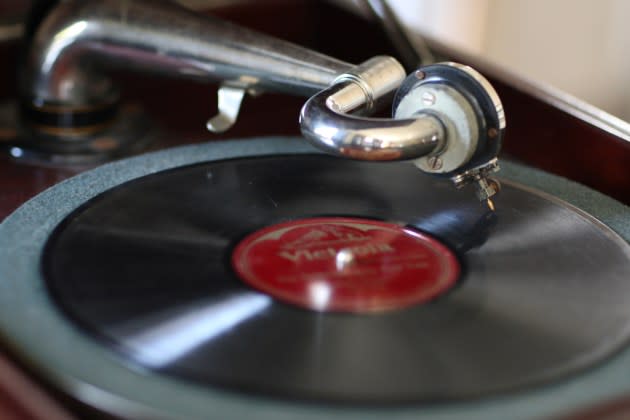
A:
[(162, 37), (367, 138), (324, 121), (488, 90), (457, 115), (473, 115), (557, 314), (377, 79), (165, 38), (466, 103)]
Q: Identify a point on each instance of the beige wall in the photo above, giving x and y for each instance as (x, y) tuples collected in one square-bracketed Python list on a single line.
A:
[(580, 46), (461, 23)]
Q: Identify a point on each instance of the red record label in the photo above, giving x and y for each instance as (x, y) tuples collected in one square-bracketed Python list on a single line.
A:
[(345, 264)]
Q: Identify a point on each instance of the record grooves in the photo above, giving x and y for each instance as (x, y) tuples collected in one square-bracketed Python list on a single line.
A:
[(145, 266)]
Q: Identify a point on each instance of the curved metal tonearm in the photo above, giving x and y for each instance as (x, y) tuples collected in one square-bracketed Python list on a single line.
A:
[(158, 36), (64, 77), (325, 121)]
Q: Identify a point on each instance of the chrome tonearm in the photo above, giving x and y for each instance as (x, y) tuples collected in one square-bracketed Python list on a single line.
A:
[(446, 117)]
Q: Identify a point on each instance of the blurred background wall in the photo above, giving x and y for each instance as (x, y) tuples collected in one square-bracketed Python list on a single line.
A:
[(579, 46)]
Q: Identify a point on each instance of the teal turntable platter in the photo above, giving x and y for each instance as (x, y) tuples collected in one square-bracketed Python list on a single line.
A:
[(536, 321)]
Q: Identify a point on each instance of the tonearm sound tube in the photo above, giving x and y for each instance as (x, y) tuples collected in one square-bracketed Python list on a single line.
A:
[(207, 214)]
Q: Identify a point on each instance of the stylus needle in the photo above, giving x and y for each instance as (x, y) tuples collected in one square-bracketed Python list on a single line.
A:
[(490, 204)]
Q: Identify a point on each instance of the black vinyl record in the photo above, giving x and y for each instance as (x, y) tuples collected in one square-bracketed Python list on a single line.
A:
[(145, 267)]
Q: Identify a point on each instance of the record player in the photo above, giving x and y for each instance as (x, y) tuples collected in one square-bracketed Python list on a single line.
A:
[(318, 256)]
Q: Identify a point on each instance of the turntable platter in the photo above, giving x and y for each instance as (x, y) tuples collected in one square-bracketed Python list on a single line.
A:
[(543, 290)]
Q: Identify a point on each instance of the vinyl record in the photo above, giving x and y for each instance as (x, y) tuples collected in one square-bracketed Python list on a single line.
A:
[(122, 286), (146, 267)]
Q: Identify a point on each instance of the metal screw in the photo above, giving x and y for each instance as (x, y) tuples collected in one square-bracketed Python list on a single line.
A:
[(428, 98), (419, 74), (492, 132), (435, 163)]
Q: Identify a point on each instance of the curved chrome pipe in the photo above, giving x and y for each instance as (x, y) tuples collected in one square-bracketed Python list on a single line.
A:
[(79, 37), (367, 138), (325, 121)]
